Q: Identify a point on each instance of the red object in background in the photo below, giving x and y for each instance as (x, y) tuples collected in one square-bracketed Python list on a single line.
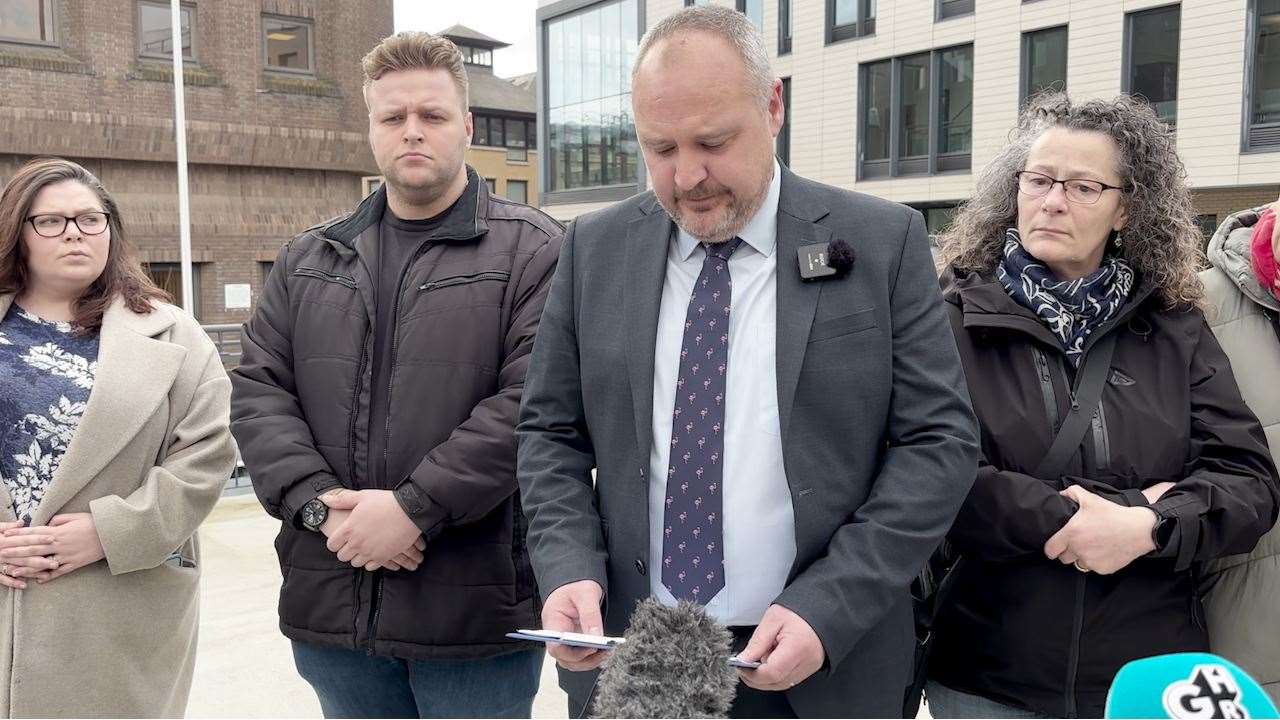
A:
[(1264, 258)]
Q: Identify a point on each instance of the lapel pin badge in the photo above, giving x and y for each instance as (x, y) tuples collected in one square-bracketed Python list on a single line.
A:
[(823, 260)]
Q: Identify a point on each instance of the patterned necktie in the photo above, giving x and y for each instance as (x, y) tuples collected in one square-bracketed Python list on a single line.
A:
[(693, 559)]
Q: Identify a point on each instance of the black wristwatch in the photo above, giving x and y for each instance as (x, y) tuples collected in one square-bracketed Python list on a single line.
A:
[(314, 513)]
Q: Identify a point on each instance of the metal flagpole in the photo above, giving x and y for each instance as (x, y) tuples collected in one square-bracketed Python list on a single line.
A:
[(180, 136)]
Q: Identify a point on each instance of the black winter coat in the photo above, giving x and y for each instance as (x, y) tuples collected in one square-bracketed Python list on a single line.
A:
[(1031, 632), (467, 309)]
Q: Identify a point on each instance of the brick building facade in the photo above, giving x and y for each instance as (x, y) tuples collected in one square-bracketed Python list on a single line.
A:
[(276, 124)]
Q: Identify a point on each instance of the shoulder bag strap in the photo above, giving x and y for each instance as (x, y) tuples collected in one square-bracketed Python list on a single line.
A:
[(1084, 403)]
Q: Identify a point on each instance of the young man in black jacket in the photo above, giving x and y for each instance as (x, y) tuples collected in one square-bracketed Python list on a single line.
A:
[(375, 408)]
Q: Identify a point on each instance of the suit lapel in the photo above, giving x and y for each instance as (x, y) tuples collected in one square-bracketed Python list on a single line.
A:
[(135, 372), (647, 239), (797, 300)]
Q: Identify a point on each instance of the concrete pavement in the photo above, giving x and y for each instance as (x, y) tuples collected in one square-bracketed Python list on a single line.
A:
[(244, 667)]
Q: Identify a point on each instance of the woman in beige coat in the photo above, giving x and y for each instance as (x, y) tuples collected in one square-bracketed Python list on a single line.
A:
[(1243, 603), (114, 446)]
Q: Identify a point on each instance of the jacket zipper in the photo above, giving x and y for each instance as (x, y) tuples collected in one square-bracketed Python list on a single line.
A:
[(463, 279), (386, 426), (313, 272), (1046, 388), (1101, 439)]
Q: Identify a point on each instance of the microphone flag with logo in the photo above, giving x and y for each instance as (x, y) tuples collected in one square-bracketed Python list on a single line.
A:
[(1186, 685)]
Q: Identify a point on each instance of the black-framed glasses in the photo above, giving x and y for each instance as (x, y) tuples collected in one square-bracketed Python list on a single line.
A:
[(1079, 191), (51, 226)]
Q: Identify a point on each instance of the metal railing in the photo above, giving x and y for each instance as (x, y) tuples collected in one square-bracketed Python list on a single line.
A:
[(227, 340)]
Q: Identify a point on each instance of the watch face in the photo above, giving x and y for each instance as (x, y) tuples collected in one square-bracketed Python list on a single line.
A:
[(314, 514)]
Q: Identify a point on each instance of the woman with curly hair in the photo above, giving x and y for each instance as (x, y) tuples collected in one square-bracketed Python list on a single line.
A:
[(1070, 281)]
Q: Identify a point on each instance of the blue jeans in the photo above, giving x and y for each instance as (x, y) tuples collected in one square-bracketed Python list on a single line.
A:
[(354, 684), (947, 703)]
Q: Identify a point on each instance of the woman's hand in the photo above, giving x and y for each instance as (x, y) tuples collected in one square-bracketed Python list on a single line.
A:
[(71, 542), (20, 556), (1101, 537), (1155, 492)]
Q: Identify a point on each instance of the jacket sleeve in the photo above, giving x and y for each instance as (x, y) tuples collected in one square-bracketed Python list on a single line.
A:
[(140, 531), (266, 417), (556, 456), (1228, 500), (928, 466), (469, 474), (1009, 515)]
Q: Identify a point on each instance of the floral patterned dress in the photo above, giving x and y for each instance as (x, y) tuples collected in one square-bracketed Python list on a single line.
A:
[(46, 375)]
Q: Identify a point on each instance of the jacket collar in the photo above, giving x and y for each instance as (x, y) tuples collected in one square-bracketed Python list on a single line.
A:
[(983, 302), (1230, 252), (467, 220)]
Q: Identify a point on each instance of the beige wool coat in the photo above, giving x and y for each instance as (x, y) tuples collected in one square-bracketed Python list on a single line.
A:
[(149, 460)]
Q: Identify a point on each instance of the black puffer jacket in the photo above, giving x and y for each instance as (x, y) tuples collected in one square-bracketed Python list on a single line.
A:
[(467, 311), (1031, 632)]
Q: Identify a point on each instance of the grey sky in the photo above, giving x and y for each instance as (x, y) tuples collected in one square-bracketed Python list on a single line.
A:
[(510, 21)]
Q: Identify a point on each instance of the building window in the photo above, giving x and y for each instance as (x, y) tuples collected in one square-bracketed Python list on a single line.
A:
[(288, 45), (518, 190), (916, 114), (168, 277), (691, 3), (27, 21), (591, 138), (492, 183), (1151, 58), (937, 216), (517, 135), (1044, 62), (370, 184), (477, 56), (876, 89), (1263, 85), (850, 19), (1208, 225), (953, 8), (155, 37), (784, 27), (264, 268), (783, 145), (753, 9)]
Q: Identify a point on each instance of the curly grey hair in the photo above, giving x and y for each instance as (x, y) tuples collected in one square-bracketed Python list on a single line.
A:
[(722, 22), (1161, 240)]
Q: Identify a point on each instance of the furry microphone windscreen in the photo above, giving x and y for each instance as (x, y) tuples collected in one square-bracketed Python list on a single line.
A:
[(674, 664)]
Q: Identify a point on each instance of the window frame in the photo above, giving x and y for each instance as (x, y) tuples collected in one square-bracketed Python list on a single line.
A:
[(957, 163), (1024, 61), (782, 146), (863, 26), (938, 15), (49, 11), (190, 7), (1253, 29), (371, 183), (1126, 55), (784, 27), (545, 16), (507, 191), (311, 44), (741, 6), (176, 268)]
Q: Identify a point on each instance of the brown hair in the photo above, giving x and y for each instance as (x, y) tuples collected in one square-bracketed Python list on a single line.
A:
[(123, 276), (416, 50)]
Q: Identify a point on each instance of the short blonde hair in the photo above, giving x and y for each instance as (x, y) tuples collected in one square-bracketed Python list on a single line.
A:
[(416, 50)]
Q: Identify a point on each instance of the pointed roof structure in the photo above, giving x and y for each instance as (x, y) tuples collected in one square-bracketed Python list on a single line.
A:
[(463, 35)]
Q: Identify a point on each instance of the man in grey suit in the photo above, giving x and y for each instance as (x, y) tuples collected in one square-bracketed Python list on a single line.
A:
[(786, 452)]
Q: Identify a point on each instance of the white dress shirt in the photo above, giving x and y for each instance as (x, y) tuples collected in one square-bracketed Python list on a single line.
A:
[(759, 526)]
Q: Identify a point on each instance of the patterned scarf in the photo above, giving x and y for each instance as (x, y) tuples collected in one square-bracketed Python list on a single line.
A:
[(1071, 309)]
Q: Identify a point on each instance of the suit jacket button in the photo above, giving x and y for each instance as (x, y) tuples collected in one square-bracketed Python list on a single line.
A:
[(640, 568)]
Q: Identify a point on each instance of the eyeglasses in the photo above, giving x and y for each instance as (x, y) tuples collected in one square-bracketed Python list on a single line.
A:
[(51, 226), (1080, 192)]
